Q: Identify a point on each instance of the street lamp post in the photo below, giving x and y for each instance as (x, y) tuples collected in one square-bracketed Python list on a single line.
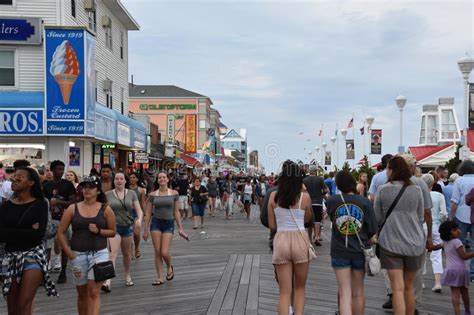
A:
[(369, 121), (317, 154), (401, 102), (333, 141), (465, 66)]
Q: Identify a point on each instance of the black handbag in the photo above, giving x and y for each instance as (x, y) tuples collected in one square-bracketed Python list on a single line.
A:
[(103, 271), (389, 212)]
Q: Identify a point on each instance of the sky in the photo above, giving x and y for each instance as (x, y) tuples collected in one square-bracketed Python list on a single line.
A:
[(283, 69)]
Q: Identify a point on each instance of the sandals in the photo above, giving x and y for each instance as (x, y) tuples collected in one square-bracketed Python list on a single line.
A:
[(105, 288), (170, 277), (137, 254), (157, 282), (129, 283)]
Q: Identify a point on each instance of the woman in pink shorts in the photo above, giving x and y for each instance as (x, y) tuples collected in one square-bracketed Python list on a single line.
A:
[(289, 209)]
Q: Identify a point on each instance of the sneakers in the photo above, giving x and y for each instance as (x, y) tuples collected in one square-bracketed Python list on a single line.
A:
[(436, 289), (62, 278), (388, 305)]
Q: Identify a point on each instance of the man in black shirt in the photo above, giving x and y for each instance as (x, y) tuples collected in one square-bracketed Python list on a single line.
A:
[(316, 189), (182, 186), (60, 193)]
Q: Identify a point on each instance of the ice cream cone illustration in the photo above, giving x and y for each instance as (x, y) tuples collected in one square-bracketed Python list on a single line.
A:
[(65, 69)]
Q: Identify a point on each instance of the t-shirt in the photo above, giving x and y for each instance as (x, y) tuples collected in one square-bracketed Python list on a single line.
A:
[(331, 185), (22, 237), (378, 180), (123, 208), (182, 186), (361, 219), (453, 261), (241, 183), (63, 190), (315, 186), (163, 206), (195, 194), (213, 189)]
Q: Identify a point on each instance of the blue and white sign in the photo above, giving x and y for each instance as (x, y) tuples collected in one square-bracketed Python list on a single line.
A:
[(20, 30), (105, 128), (21, 122), (139, 139), (69, 68)]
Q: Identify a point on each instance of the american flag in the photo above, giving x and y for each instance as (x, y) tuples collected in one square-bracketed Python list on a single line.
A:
[(362, 131), (320, 132), (350, 124)]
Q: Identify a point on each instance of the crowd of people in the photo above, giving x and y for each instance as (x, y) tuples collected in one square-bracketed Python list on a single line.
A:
[(51, 218)]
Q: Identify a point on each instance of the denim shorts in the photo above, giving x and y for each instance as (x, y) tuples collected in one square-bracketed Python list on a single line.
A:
[(162, 225), (125, 230), (85, 262), (341, 263), (31, 265), (198, 209)]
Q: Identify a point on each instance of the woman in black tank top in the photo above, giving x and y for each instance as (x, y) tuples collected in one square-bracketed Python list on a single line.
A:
[(92, 223)]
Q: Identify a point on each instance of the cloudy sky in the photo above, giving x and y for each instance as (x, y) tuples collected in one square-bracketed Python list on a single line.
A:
[(282, 68)]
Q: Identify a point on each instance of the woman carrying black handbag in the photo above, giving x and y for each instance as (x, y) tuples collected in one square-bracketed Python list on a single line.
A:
[(92, 223)]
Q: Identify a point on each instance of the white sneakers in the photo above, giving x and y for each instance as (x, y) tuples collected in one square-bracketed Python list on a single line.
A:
[(436, 289)]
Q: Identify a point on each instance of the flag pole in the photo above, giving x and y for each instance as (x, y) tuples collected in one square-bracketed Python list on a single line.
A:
[(322, 150), (353, 139), (337, 146)]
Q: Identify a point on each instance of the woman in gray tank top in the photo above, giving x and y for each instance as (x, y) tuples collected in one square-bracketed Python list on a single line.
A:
[(92, 223), (133, 181), (163, 205)]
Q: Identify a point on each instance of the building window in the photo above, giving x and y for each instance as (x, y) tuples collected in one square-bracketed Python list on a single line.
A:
[(96, 80), (7, 68), (108, 35), (92, 21), (6, 2), (423, 130), (122, 93), (73, 8), (448, 125), (121, 45)]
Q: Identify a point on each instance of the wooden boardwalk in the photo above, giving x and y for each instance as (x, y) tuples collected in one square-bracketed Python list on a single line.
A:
[(226, 269)]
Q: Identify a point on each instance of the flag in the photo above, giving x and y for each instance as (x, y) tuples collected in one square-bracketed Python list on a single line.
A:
[(362, 131), (335, 133), (320, 132), (350, 124)]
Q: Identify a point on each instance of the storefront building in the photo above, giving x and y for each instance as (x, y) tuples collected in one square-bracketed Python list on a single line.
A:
[(54, 111), (183, 117)]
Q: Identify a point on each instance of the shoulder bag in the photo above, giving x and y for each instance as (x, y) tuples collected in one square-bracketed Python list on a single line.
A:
[(389, 212), (372, 262), (311, 250), (103, 270)]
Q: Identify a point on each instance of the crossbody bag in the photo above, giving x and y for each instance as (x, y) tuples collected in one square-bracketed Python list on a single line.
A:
[(311, 250), (372, 262)]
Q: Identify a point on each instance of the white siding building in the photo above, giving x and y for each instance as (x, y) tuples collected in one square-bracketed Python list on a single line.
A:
[(109, 22)]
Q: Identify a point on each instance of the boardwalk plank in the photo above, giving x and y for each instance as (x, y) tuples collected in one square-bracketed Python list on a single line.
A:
[(231, 293), (221, 290), (252, 299)]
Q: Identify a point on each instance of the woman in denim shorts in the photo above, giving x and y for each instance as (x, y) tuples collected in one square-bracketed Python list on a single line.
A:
[(123, 202), (350, 213), (92, 223), (161, 210)]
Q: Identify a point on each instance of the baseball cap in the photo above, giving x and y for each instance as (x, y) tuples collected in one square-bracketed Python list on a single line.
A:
[(90, 180), (410, 159), (313, 168)]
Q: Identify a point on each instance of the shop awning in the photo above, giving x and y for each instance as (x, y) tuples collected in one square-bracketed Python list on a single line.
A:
[(190, 160)]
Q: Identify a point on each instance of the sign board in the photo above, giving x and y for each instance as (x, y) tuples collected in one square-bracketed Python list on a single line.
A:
[(69, 63), (376, 141), (21, 122), (191, 134), (20, 30), (170, 128), (123, 134), (141, 157), (74, 157), (327, 158), (168, 106), (350, 154), (108, 146)]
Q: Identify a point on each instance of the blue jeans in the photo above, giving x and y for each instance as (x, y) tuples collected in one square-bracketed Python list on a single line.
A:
[(162, 225), (124, 230), (198, 209), (467, 228)]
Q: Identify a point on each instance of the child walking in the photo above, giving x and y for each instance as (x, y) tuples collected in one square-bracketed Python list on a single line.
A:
[(456, 274)]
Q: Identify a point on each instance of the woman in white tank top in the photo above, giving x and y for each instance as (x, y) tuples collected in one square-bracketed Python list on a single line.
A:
[(248, 193), (288, 211)]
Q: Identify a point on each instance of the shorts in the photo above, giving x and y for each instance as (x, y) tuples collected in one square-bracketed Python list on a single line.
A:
[(162, 225), (85, 262), (289, 246), (317, 213), (341, 263), (247, 199), (389, 260), (124, 230), (198, 209), (183, 202), (31, 265)]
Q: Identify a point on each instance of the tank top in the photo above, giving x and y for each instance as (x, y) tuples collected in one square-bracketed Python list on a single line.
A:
[(248, 190), (82, 239), (137, 191), (285, 221)]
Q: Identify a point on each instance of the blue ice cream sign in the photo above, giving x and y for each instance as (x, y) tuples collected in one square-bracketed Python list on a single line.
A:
[(20, 30), (68, 93)]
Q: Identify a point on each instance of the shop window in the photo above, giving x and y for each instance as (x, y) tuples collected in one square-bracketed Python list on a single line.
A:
[(7, 68), (73, 8), (121, 45), (92, 21)]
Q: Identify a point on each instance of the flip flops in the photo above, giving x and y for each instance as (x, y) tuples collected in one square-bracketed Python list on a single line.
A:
[(129, 283), (157, 282), (170, 277)]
